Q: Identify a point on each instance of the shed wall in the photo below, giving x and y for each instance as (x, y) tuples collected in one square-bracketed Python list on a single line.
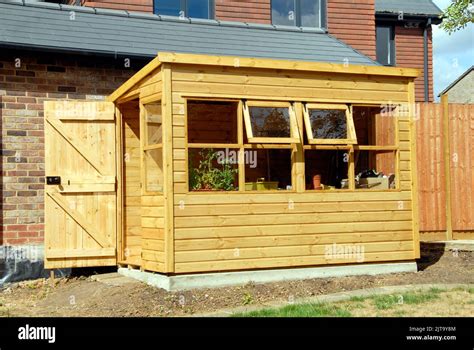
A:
[(233, 231)]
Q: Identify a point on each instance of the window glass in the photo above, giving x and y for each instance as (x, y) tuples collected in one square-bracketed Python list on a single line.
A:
[(212, 121), (385, 45), (198, 9), (154, 170), (284, 12), (168, 7), (328, 124), (326, 169), (310, 13), (153, 124), (268, 169), (375, 126), (270, 121), (375, 170)]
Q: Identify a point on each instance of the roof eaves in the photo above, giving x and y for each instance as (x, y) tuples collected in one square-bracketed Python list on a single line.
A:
[(461, 77)]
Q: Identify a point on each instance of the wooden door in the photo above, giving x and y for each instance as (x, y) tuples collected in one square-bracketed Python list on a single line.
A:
[(80, 211)]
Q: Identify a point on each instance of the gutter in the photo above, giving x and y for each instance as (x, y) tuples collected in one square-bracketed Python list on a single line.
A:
[(426, 66)]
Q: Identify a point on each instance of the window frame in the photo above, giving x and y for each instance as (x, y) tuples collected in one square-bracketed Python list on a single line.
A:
[(294, 131), (351, 133), (183, 5), (298, 14), (147, 147)]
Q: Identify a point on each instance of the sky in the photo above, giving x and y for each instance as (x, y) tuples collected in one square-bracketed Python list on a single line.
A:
[(453, 54)]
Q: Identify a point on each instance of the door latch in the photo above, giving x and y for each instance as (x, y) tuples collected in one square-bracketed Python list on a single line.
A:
[(53, 180)]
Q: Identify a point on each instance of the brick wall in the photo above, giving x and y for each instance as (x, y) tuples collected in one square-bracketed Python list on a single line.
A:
[(409, 53), (129, 5), (353, 21), (23, 89)]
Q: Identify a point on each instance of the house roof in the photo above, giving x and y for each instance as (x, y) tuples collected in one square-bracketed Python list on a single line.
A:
[(76, 29), (409, 7), (461, 77)]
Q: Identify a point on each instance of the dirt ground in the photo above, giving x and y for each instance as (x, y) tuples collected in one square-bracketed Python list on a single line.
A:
[(81, 296)]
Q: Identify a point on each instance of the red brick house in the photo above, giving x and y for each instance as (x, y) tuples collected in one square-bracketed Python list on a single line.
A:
[(40, 64)]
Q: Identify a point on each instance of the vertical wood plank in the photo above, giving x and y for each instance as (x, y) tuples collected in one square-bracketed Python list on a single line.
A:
[(414, 176), (447, 166)]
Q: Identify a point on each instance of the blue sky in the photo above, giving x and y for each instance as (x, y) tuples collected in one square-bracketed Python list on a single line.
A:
[(453, 54)]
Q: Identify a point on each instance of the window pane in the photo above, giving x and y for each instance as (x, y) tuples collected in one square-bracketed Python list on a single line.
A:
[(153, 122), (168, 7), (385, 44), (375, 126), (326, 169), (270, 121), (284, 12), (268, 169), (375, 169), (310, 13), (154, 170), (213, 169), (328, 124), (212, 121), (199, 9)]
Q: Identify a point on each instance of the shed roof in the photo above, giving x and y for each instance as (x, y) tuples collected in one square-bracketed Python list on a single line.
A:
[(77, 29), (408, 7)]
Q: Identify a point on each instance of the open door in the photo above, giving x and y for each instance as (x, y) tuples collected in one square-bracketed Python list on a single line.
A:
[(80, 193)]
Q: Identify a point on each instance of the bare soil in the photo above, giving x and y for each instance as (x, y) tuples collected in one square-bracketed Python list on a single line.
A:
[(81, 296)]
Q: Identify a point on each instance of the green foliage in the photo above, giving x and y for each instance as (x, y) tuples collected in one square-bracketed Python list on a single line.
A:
[(300, 310), (247, 299), (209, 175), (458, 15)]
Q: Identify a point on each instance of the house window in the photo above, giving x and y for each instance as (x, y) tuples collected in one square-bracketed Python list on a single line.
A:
[(301, 13), (185, 8), (270, 122), (385, 45)]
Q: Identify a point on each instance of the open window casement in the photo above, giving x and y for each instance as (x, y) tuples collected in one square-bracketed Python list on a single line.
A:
[(270, 122), (329, 124)]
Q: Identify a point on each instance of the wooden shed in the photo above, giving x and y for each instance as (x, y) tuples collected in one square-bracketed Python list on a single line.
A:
[(205, 163)]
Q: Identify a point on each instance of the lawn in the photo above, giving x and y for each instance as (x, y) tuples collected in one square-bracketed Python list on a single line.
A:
[(434, 302)]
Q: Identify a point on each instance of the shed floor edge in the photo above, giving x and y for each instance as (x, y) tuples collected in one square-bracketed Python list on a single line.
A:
[(226, 279)]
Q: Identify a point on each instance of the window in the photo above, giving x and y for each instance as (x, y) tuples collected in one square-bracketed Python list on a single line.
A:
[(301, 13), (327, 169), (152, 148), (329, 124), (376, 153), (385, 45), (270, 122), (185, 8)]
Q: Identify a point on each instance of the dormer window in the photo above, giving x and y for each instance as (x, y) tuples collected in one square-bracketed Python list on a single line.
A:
[(300, 13), (185, 8)]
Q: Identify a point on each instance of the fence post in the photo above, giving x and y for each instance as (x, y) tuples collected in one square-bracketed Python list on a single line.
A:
[(447, 165)]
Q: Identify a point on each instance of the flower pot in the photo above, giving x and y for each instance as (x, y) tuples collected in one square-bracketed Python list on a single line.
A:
[(317, 182)]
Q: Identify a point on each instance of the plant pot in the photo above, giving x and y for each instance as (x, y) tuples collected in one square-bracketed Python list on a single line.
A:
[(317, 182)]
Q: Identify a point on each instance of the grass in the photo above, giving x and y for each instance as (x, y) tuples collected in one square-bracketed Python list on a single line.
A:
[(404, 304)]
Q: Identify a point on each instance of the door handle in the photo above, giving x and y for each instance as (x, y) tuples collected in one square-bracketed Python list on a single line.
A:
[(53, 180)]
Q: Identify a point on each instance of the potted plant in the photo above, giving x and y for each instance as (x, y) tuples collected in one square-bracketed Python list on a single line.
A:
[(209, 177)]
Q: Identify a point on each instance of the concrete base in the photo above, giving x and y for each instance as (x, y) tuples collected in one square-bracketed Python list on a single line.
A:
[(224, 279)]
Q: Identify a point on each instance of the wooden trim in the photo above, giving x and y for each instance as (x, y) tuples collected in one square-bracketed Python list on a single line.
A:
[(130, 83), (167, 115), (79, 253), (230, 61), (213, 145), (299, 181), (240, 141), (152, 147), (414, 172), (447, 166), (119, 199)]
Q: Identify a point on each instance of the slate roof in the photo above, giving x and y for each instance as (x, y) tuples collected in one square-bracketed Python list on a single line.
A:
[(75, 29), (409, 7)]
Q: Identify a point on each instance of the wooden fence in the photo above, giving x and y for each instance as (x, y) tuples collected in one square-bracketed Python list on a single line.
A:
[(445, 151)]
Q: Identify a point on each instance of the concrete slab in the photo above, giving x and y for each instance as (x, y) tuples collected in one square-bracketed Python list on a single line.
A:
[(113, 279), (224, 279)]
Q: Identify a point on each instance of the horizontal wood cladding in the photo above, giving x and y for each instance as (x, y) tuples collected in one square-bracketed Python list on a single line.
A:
[(253, 11), (152, 222), (409, 51), (128, 5), (353, 21), (235, 231)]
